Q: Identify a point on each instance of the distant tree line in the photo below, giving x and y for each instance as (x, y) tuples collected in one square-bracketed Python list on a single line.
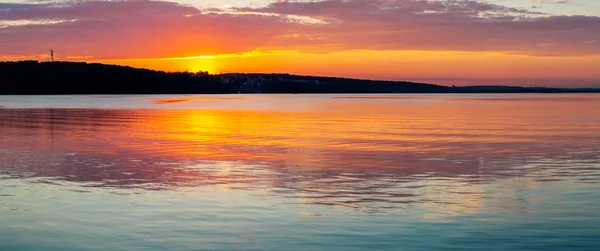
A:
[(32, 77)]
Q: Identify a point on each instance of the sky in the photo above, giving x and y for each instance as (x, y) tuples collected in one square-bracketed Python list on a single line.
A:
[(461, 42)]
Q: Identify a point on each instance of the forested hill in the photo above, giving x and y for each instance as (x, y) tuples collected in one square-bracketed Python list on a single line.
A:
[(32, 77)]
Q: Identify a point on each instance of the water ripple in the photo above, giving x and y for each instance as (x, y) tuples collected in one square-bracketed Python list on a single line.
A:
[(491, 159)]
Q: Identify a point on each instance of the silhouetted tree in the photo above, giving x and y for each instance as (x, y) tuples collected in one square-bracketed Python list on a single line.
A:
[(32, 77)]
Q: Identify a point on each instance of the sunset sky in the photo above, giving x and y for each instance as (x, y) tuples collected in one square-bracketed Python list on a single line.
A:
[(521, 42)]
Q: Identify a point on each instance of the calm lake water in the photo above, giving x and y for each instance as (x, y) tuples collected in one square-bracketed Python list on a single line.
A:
[(300, 172)]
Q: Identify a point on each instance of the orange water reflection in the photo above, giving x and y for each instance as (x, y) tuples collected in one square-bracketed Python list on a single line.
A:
[(188, 99), (365, 153)]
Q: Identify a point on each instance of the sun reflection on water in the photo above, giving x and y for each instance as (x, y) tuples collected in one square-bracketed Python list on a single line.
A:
[(445, 156)]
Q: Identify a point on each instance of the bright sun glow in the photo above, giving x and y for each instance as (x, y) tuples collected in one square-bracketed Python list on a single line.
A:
[(201, 64)]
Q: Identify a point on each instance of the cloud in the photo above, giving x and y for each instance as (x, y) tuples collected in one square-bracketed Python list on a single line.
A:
[(552, 1), (130, 29), (442, 25), (141, 28)]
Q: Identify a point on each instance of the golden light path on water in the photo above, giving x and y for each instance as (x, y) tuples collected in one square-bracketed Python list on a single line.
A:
[(406, 158), (364, 135)]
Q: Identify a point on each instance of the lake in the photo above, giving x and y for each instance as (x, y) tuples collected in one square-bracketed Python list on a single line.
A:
[(300, 172)]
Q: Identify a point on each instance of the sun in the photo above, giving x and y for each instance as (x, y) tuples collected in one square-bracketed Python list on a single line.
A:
[(201, 64)]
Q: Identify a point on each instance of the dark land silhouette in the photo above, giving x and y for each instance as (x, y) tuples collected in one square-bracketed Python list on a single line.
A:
[(32, 77)]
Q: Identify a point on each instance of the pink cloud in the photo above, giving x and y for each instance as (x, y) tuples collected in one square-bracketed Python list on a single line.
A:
[(443, 25), (140, 28), (130, 29)]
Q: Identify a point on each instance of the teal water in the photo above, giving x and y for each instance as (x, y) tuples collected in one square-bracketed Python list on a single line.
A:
[(300, 172)]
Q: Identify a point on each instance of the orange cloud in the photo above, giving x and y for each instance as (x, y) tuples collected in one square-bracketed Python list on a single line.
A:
[(132, 29)]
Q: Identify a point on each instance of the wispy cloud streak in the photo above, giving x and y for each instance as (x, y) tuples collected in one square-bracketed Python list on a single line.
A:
[(149, 29)]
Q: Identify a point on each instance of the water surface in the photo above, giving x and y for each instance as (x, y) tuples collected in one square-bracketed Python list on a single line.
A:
[(300, 172)]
